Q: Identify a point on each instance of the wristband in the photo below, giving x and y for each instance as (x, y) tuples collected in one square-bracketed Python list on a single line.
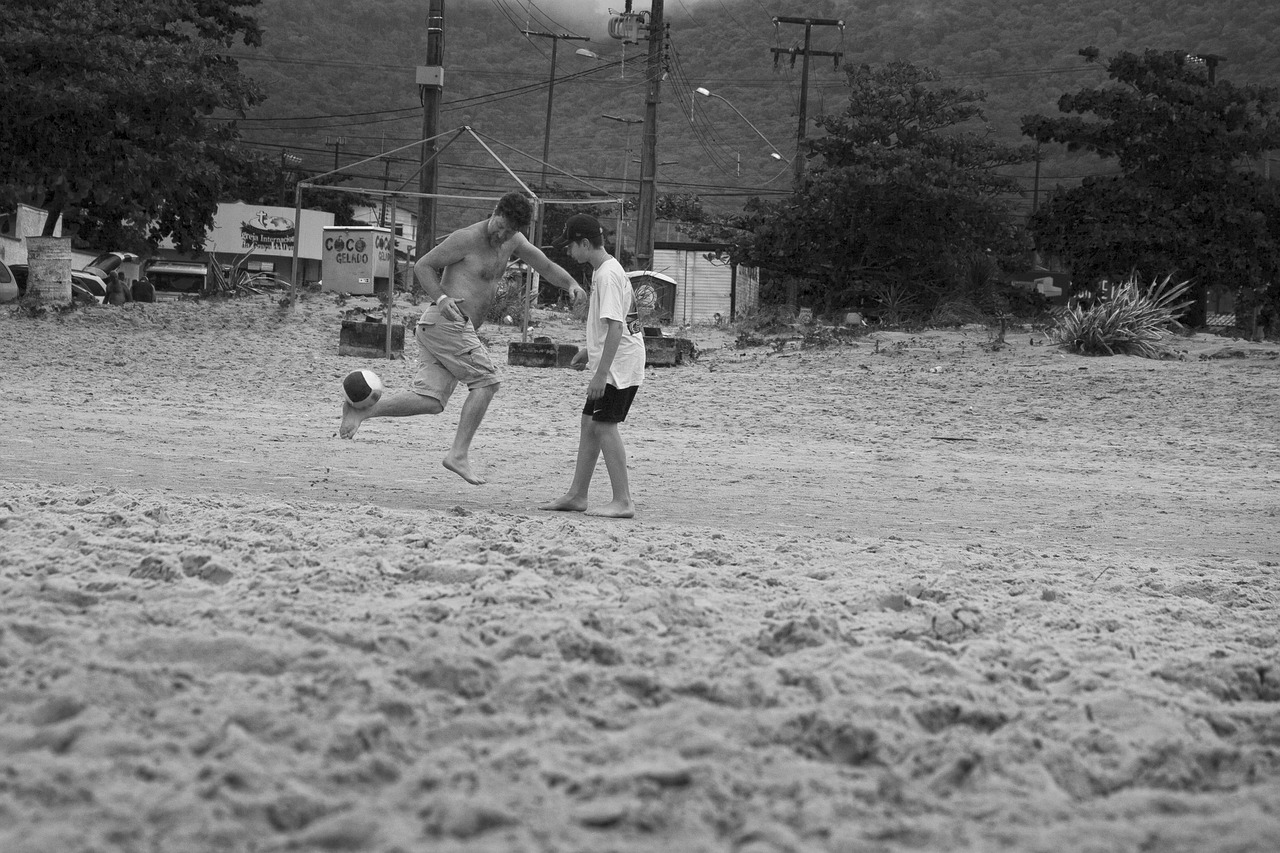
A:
[(441, 299)]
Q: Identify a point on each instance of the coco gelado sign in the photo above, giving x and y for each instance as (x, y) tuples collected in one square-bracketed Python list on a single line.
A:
[(353, 256)]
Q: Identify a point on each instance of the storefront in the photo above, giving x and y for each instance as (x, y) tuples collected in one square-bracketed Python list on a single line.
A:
[(256, 238)]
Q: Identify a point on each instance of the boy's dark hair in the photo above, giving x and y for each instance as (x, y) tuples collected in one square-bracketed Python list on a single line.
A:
[(516, 209)]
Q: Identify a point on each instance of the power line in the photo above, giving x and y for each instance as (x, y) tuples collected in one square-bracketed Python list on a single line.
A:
[(549, 22), (391, 114), (497, 171), (332, 115), (737, 81)]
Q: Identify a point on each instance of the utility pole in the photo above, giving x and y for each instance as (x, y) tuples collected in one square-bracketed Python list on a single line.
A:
[(551, 93), (430, 92), (1035, 192), (288, 162), (1198, 314), (649, 140), (626, 174), (546, 133), (809, 24), (382, 218)]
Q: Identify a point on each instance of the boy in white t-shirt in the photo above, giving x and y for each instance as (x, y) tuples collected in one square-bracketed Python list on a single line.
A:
[(615, 356)]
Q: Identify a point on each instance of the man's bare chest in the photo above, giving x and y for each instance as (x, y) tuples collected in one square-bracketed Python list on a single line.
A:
[(487, 263)]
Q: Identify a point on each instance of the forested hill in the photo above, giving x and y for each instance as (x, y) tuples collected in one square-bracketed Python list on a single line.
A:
[(340, 76)]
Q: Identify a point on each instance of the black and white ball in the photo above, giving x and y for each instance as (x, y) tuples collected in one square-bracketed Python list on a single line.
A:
[(362, 388)]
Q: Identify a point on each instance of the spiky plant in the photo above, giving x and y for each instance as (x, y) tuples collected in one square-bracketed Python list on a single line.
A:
[(1125, 320), (897, 303)]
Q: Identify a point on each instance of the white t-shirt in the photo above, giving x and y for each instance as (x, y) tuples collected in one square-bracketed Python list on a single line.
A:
[(612, 298)]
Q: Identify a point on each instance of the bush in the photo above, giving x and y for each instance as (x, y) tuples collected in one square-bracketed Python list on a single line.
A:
[(1124, 319)]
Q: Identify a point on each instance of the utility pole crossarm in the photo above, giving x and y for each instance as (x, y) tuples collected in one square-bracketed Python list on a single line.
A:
[(806, 52), (794, 51), (817, 22)]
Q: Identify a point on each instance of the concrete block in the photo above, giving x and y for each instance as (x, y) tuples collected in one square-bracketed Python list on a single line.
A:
[(540, 354), (660, 351), (369, 340)]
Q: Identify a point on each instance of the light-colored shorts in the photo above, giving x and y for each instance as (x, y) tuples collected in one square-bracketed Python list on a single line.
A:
[(449, 352)]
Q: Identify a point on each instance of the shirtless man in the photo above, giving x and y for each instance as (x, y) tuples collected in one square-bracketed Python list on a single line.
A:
[(461, 276)]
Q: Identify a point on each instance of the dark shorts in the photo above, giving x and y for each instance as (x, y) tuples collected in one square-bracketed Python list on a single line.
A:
[(612, 406)]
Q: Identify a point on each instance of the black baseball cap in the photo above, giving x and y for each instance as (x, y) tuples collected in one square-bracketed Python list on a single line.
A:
[(579, 226)]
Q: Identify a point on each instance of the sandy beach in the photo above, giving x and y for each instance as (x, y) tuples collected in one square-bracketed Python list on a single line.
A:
[(915, 592)]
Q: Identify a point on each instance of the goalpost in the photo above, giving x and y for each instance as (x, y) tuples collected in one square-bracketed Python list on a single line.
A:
[(540, 205)]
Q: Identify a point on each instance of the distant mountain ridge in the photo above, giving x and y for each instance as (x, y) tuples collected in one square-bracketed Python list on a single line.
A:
[(340, 81)]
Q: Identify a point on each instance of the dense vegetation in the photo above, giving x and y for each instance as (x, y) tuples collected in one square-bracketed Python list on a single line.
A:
[(333, 58), (1180, 204), (901, 196), (103, 114)]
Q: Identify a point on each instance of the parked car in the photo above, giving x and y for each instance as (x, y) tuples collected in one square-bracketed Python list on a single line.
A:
[(8, 284), (176, 279), (106, 263), (101, 267), (86, 287)]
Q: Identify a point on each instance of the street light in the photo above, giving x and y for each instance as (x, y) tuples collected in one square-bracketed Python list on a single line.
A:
[(591, 54), (773, 152)]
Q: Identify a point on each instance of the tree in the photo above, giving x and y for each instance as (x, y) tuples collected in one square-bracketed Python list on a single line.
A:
[(107, 114), (1181, 204), (900, 196)]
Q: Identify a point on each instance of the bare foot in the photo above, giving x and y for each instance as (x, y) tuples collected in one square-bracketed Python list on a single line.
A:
[(615, 509), (351, 420), (462, 467), (567, 503)]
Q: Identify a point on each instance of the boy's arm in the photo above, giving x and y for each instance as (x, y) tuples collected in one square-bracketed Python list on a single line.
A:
[(548, 269), (601, 377)]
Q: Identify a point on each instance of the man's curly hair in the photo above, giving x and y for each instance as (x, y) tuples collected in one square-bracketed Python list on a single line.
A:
[(516, 209)]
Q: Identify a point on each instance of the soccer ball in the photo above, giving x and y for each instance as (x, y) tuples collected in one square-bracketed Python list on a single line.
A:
[(362, 388)]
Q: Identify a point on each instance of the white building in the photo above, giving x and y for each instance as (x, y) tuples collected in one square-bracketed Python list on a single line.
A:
[(708, 288), (263, 237)]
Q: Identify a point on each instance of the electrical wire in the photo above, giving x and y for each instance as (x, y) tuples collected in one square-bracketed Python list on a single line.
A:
[(401, 113), (705, 133), (735, 20), (505, 10), (689, 14), (750, 82), (550, 22), (718, 190)]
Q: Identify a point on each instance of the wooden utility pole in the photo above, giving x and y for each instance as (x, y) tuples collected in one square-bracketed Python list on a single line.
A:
[(540, 219), (551, 93), (809, 24), (430, 92), (649, 140)]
